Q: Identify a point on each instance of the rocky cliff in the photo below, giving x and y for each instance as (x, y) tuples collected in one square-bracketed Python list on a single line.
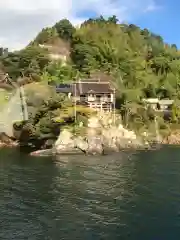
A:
[(102, 135)]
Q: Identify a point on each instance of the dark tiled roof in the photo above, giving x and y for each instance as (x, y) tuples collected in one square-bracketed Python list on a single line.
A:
[(83, 88), (64, 88)]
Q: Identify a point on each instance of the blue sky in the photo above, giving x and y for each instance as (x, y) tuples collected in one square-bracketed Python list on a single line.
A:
[(162, 17), (164, 20), (21, 20)]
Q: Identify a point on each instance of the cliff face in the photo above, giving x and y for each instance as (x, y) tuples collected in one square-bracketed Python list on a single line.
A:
[(58, 50), (101, 136)]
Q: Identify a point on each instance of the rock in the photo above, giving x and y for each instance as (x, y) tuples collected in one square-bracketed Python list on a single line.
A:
[(109, 141), (64, 138), (93, 122), (64, 142), (68, 144), (102, 135), (42, 153), (6, 141), (173, 138), (95, 145), (81, 144), (48, 144)]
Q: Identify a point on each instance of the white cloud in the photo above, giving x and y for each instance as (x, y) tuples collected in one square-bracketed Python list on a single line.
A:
[(151, 7), (21, 20), (35, 5)]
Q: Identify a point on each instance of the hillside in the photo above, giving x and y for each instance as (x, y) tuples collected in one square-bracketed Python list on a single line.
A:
[(135, 58), (137, 62)]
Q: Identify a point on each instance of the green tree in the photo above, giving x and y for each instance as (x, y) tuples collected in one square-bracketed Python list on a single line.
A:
[(47, 35), (65, 29)]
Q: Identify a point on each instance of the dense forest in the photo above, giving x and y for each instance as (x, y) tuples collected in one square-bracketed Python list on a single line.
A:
[(136, 61)]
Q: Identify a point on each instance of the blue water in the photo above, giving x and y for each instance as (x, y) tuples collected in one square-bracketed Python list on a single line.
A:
[(131, 195)]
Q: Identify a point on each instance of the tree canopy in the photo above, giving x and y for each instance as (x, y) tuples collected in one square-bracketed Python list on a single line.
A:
[(138, 62), (135, 58)]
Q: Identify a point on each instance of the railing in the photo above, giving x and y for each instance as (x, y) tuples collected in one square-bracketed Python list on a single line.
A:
[(100, 106), (96, 100)]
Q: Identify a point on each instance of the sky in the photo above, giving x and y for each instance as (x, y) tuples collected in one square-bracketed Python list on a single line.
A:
[(21, 20)]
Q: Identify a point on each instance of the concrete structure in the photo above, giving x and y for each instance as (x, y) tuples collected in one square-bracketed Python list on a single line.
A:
[(152, 102), (159, 105), (165, 104)]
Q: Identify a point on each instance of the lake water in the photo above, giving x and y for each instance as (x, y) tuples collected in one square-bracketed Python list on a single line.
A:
[(132, 195)]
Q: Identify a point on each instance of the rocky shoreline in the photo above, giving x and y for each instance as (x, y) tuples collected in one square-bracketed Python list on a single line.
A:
[(101, 136), (172, 139), (6, 141), (80, 146)]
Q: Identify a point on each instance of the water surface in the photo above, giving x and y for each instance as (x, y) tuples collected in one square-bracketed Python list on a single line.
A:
[(132, 195)]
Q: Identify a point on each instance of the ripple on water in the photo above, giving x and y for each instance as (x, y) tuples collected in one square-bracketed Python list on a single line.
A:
[(123, 196)]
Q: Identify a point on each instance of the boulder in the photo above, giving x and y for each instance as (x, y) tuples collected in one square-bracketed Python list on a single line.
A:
[(6, 141), (95, 145), (101, 136), (81, 144), (64, 142)]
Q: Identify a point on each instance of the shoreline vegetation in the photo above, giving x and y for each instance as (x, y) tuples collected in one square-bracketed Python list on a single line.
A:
[(137, 63), (100, 136)]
